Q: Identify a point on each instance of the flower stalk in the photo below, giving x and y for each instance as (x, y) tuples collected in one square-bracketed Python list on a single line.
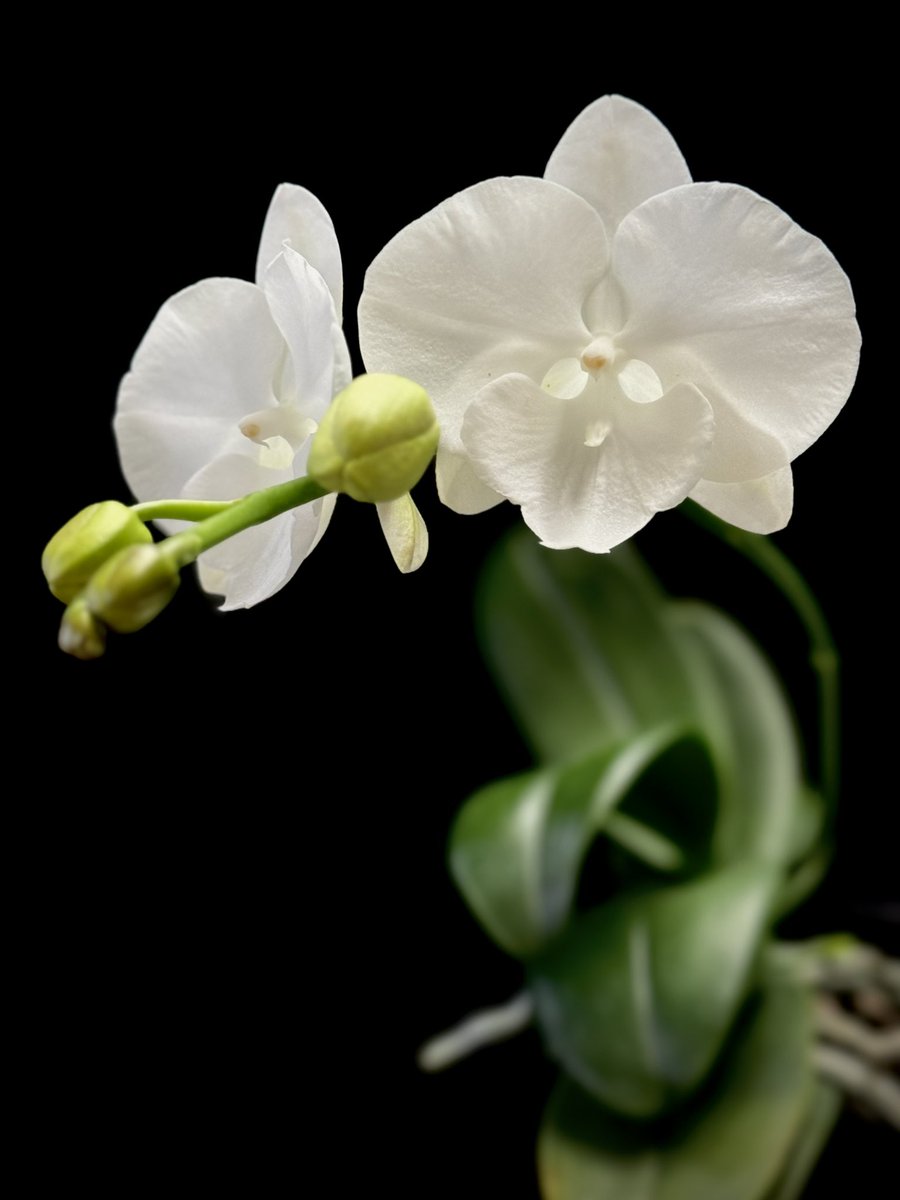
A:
[(823, 655), (181, 510), (237, 515), (123, 582)]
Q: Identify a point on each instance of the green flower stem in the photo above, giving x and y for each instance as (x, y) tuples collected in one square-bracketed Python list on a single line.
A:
[(823, 655), (181, 510), (239, 515)]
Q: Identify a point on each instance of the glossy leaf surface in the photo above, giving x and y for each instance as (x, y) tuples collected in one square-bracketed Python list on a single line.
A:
[(734, 1143), (637, 997)]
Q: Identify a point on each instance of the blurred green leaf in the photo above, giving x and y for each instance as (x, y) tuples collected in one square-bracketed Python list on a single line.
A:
[(517, 845), (822, 1110), (636, 998), (677, 796), (802, 882), (810, 850), (741, 708), (809, 815), (495, 858), (590, 652), (577, 644), (731, 1145)]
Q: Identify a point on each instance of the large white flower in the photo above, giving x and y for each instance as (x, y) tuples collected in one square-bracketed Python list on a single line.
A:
[(227, 389), (601, 343)]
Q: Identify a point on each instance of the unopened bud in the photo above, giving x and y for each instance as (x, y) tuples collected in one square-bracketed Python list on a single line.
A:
[(132, 588), (375, 440), (91, 537), (80, 633)]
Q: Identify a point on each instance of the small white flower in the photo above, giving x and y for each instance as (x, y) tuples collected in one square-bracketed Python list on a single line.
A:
[(601, 343), (227, 389)]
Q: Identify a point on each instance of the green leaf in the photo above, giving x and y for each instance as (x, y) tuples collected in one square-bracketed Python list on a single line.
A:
[(742, 710), (802, 882), (810, 812), (495, 858), (810, 850), (578, 645), (589, 652), (636, 998), (822, 1111), (517, 846), (730, 1146), (677, 796)]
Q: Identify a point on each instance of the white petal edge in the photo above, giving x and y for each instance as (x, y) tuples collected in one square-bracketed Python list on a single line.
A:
[(297, 217), (459, 487), (494, 279), (758, 505), (531, 448), (256, 563), (727, 292), (616, 154), (210, 356), (405, 532), (303, 309)]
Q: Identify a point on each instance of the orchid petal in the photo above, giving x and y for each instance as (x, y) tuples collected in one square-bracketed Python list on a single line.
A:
[(254, 564), (616, 154), (566, 379), (759, 505), (226, 390), (493, 279), (310, 523), (405, 532), (725, 290), (303, 310), (579, 484), (459, 487), (210, 356), (742, 450), (295, 216)]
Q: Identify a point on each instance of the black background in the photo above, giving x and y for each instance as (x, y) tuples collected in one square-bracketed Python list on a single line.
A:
[(235, 919)]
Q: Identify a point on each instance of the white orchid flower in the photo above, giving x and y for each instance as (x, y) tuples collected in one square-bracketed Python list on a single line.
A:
[(227, 389), (606, 341)]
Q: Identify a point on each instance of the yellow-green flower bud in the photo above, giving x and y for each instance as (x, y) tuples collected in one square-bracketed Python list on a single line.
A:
[(375, 440), (80, 633), (92, 536), (132, 587)]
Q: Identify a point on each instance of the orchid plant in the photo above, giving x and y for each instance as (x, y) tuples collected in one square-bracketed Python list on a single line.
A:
[(596, 346)]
